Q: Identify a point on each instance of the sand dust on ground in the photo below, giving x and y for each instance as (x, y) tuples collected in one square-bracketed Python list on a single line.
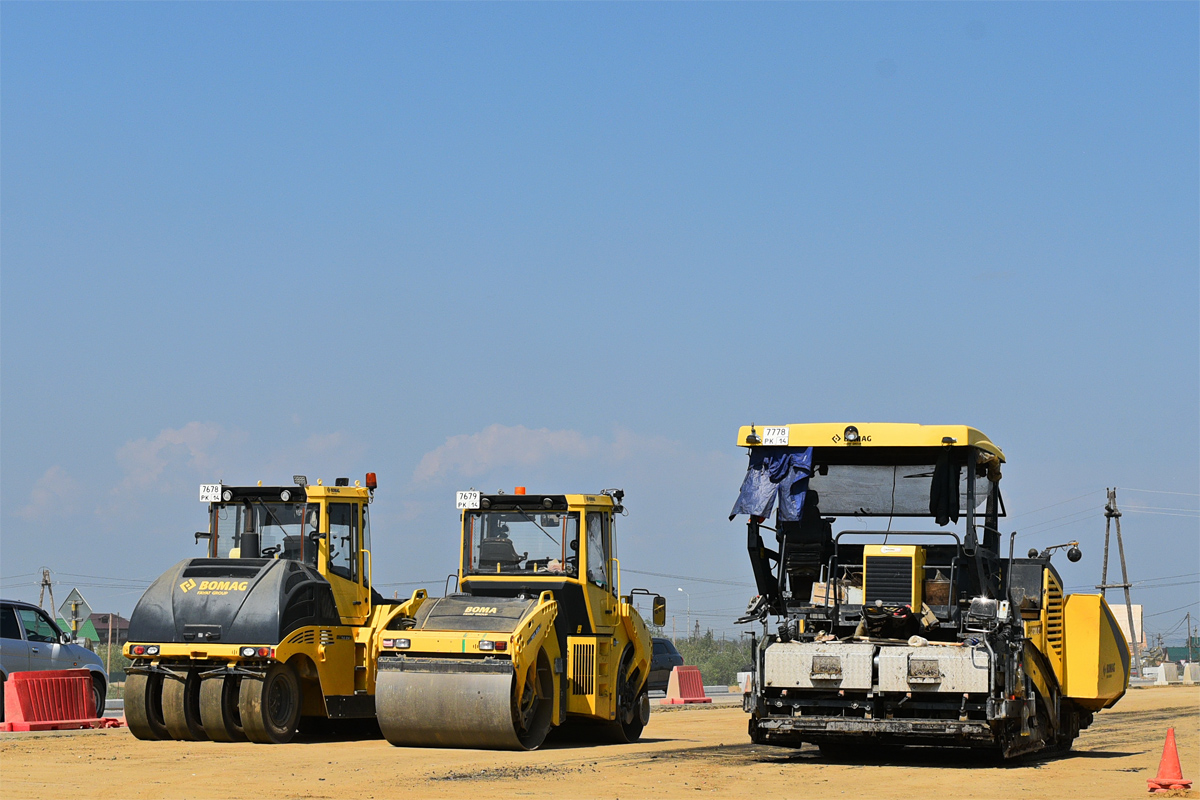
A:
[(685, 751)]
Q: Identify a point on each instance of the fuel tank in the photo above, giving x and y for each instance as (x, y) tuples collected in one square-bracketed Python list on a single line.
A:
[(232, 601)]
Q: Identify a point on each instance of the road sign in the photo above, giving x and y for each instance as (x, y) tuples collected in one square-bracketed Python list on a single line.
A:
[(74, 610)]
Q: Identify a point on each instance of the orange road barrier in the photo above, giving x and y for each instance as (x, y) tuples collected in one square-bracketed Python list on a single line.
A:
[(1170, 776), (50, 700), (685, 686)]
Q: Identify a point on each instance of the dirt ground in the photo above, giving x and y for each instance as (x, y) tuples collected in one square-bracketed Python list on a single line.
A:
[(695, 749)]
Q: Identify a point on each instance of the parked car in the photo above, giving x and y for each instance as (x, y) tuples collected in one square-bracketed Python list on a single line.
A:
[(665, 658), (29, 640)]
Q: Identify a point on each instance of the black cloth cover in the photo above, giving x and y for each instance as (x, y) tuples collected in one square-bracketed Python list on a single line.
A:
[(943, 490)]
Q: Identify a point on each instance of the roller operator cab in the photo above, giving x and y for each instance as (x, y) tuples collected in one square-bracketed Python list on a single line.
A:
[(537, 636), (273, 625), (889, 613)]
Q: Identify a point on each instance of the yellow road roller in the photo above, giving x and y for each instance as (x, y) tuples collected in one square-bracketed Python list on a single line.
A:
[(538, 635), (274, 626)]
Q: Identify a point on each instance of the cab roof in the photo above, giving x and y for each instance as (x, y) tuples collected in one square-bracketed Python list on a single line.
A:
[(870, 434)]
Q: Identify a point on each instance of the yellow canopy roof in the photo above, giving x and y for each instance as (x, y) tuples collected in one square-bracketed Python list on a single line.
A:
[(871, 434)]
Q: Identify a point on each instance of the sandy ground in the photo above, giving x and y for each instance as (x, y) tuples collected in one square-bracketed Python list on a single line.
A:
[(695, 749)]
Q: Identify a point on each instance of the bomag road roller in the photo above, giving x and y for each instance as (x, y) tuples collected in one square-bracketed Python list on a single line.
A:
[(273, 627), (920, 633), (537, 635)]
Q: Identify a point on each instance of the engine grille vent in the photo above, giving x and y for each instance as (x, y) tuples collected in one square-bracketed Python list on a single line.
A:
[(1054, 617), (583, 669), (303, 637), (888, 579)]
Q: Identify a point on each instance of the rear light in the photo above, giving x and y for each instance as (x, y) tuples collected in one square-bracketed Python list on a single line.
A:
[(385, 642), (247, 652), (264, 652), (138, 650), (486, 645), (152, 650), (501, 646)]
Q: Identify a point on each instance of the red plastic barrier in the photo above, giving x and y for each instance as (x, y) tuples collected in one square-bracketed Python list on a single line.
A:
[(686, 686), (51, 700)]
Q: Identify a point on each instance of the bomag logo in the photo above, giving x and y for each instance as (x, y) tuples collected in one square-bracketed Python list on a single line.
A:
[(479, 610), (188, 585), (222, 587)]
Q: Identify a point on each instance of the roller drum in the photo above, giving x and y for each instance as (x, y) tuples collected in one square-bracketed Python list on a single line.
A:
[(455, 703)]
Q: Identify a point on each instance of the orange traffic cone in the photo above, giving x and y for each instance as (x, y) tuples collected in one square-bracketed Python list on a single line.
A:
[(1169, 775)]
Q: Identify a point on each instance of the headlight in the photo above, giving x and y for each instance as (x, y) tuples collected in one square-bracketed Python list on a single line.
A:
[(403, 644), (152, 650), (247, 652), (486, 645)]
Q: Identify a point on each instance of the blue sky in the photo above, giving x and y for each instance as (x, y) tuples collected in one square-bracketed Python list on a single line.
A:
[(575, 246)]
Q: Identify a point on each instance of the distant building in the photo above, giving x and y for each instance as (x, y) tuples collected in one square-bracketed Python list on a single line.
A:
[(1184, 652), (1123, 622), (120, 628)]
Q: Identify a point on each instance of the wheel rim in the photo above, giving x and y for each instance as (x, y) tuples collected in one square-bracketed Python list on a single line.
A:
[(279, 702), (529, 699)]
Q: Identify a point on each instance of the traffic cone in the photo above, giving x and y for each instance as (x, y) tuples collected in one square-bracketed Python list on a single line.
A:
[(1169, 774)]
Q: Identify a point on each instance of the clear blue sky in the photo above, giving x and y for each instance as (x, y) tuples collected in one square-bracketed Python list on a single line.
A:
[(575, 246)]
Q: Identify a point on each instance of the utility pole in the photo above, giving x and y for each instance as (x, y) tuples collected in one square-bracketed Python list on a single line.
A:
[(108, 654), (46, 586), (1189, 635), (1111, 513)]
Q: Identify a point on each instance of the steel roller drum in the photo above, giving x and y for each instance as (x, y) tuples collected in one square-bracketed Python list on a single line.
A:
[(443, 702)]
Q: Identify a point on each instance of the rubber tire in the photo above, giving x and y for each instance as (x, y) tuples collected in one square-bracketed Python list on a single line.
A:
[(99, 694), (181, 708), (270, 706), (219, 712), (143, 707)]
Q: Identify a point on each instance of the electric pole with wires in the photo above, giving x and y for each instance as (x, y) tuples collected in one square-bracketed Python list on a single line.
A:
[(1111, 513)]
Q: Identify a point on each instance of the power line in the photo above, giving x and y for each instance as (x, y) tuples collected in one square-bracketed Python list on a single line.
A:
[(688, 578), (1159, 491), (1059, 503), (1168, 611)]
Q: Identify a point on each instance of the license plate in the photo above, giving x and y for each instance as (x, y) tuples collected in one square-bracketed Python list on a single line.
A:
[(210, 493), (466, 500), (775, 437)]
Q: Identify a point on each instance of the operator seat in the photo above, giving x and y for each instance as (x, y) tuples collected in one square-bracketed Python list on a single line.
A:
[(498, 552)]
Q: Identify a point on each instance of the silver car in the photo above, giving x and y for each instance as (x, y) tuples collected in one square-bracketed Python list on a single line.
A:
[(29, 640)]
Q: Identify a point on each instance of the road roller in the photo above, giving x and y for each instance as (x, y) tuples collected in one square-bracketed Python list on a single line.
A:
[(921, 631), (536, 638), (272, 629)]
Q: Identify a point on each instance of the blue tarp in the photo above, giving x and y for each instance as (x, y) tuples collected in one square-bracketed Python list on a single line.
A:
[(775, 472)]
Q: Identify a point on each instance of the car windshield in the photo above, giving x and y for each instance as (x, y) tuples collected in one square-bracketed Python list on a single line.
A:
[(518, 542), (282, 529)]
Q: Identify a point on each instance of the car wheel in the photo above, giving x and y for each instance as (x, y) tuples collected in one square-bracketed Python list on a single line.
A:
[(99, 693)]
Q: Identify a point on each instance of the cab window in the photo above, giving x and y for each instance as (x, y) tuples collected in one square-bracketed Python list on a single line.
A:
[(9, 627), (597, 549), (37, 627), (311, 533), (366, 544), (343, 540)]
